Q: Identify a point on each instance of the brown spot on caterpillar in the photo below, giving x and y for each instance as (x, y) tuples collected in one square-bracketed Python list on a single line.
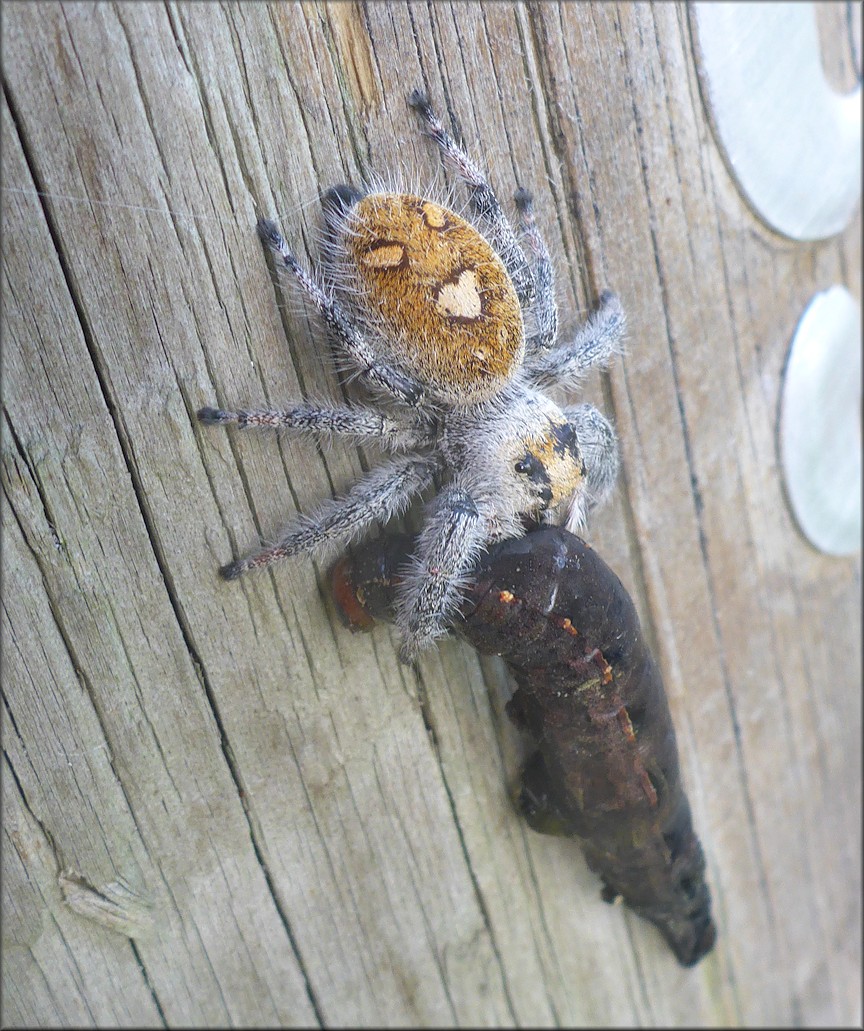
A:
[(459, 298), (597, 657), (626, 725), (386, 254), (648, 788)]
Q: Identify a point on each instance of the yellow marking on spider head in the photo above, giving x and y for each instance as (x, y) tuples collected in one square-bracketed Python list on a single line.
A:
[(551, 461)]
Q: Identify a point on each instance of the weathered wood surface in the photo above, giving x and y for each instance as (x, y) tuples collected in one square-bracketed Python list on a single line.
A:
[(221, 808)]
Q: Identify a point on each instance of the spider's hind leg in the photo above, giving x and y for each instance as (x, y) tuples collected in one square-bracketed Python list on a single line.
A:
[(482, 199), (376, 372)]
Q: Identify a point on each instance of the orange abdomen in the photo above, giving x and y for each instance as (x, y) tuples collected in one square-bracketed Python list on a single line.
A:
[(438, 293)]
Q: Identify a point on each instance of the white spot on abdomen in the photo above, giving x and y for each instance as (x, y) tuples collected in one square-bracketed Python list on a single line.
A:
[(460, 298)]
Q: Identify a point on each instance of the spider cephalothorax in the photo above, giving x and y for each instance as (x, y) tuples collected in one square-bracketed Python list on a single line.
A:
[(431, 310)]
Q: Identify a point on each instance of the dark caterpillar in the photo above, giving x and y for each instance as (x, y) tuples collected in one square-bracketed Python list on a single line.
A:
[(590, 696)]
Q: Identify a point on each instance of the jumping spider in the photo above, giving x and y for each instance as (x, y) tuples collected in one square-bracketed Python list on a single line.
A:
[(431, 314)]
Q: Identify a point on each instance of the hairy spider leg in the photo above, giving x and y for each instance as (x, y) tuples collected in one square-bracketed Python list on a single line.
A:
[(482, 199), (454, 533), (379, 496), (395, 431), (595, 343), (544, 310), (389, 379)]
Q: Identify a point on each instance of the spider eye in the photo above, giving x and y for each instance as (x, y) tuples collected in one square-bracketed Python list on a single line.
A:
[(531, 467)]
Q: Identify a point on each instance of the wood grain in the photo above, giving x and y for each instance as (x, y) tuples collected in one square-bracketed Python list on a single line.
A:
[(219, 807)]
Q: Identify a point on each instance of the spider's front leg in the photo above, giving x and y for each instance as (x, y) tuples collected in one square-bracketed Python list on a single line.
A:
[(454, 534)]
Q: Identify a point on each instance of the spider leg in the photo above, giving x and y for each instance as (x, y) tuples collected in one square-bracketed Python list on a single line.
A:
[(545, 310), (482, 199), (595, 343), (599, 446), (386, 377), (393, 431), (379, 496), (453, 535)]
